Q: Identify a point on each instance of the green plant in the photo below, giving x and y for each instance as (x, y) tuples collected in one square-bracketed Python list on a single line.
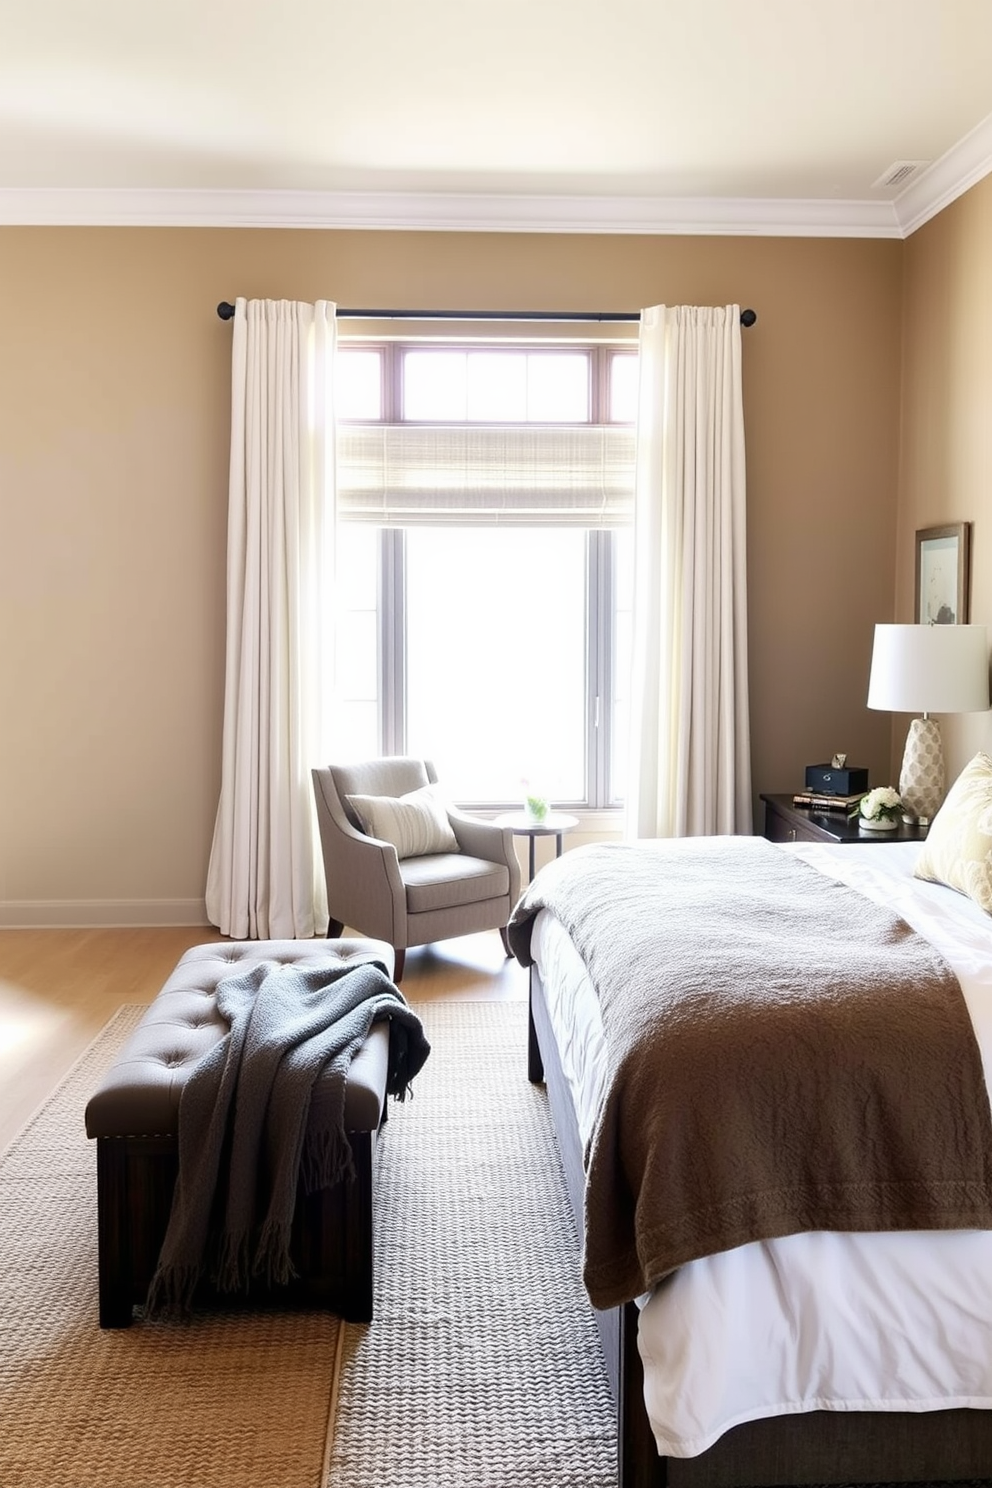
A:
[(537, 807)]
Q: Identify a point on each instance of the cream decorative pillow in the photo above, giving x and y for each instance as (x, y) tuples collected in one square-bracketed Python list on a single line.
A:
[(958, 848), (416, 824)]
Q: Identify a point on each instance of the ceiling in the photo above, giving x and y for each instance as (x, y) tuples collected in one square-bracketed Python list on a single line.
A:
[(571, 115)]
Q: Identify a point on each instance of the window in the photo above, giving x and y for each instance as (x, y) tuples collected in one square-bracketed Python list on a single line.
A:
[(497, 703), (484, 562)]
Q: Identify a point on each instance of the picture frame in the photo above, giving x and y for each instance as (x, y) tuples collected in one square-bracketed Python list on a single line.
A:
[(943, 574)]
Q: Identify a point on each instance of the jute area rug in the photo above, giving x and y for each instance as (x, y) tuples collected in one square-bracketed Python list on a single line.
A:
[(482, 1367), (232, 1400)]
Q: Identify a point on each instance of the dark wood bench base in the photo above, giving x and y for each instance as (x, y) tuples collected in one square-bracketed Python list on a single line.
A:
[(134, 1118), (331, 1245)]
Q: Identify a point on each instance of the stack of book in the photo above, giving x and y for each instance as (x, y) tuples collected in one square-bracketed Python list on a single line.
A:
[(817, 801)]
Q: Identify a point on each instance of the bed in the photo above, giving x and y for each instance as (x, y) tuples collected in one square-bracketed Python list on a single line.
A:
[(825, 1356)]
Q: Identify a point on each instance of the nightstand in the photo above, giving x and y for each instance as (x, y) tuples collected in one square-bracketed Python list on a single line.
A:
[(785, 822)]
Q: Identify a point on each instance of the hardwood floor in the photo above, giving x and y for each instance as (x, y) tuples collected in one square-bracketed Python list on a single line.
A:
[(59, 987)]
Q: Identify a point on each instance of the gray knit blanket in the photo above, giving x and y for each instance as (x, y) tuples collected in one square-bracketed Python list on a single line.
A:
[(782, 1055), (245, 1134)]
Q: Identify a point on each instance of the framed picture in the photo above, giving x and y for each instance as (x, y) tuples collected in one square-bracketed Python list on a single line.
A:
[(943, 574)]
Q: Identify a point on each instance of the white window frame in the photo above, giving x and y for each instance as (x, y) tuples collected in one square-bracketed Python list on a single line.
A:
[(600, 582)]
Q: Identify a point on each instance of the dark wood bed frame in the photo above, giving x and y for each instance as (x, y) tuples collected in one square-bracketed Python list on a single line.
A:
[(850, 1447)]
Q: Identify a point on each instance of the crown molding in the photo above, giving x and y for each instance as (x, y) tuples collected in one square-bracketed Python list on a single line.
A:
[(445, 212), (951, 176)]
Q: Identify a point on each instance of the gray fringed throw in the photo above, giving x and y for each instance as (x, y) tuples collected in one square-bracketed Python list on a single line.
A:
[(244, 1136)]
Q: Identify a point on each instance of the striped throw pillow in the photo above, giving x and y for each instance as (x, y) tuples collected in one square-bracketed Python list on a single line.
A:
[(416, 824)]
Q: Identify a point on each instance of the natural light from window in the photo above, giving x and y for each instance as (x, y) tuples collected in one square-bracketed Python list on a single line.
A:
[(353, 725), (623, 389), (358, 385), (499, 651), (496, 387), (496, 658)]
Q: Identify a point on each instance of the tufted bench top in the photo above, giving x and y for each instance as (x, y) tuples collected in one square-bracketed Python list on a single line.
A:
[(139, 1094)]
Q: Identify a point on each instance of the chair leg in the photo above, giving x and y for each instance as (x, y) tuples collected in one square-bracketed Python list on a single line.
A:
[(506, 940), (400, 962), (334, 928)]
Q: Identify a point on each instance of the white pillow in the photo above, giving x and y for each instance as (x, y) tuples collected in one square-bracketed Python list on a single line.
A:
[(958, 848), (416, 824)]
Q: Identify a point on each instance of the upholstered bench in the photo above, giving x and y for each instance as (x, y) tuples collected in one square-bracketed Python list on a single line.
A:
[(133, 1116)]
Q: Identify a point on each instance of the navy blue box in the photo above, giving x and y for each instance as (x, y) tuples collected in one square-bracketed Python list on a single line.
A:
[(827, 781)]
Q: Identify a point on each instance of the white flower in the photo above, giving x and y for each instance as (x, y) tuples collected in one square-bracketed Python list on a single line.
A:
[(880, 802)]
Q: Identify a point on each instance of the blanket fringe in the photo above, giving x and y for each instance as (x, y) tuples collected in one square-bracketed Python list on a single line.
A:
[(233, 1269), (403, 1066), (272, 1259), (170, 1292), (327, 1159)]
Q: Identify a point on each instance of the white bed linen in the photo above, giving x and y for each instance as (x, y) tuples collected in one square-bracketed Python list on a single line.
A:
[(822, 1321)]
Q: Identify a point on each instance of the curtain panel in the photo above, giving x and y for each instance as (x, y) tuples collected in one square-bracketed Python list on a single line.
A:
[(690, 764), (265, 877)]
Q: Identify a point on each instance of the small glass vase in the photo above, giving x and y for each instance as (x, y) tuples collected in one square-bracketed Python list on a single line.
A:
[(535, 809)]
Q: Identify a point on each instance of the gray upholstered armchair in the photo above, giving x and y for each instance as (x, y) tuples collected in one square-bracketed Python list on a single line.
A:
[(409, 872)]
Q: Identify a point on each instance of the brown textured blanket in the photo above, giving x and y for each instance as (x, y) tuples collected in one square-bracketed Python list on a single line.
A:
[(783, 1055)]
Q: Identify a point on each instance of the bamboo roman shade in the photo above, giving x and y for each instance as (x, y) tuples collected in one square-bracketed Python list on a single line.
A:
[(400, 475)]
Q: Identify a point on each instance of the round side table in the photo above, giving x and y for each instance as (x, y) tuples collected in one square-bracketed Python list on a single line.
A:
[(555, 825)]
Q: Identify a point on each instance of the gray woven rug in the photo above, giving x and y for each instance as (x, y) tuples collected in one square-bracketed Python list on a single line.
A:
[(483, 1367)]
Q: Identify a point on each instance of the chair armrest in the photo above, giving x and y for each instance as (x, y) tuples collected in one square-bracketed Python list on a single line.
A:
[(368, 888), (362, 874), (484, 839)]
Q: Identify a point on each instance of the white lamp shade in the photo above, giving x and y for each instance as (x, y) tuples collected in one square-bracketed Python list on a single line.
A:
[(930, 669)]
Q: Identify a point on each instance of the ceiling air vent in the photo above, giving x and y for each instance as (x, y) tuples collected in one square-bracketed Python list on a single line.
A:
[(899, 174)]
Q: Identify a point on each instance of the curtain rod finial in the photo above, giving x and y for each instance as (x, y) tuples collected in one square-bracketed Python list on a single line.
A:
[(748, 317), (225, 310)]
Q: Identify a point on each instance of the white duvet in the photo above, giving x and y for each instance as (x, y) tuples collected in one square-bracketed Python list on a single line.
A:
[(822, 1321)]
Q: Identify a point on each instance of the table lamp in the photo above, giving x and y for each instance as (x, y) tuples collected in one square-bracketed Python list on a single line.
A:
[(928, 669)]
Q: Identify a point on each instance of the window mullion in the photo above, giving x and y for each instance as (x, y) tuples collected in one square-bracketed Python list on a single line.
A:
[(608, 648), (600, 671), (600, 385), (392, 641), (393, 406), (392, 593)]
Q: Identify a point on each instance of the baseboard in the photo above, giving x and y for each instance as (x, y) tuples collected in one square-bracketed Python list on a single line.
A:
[(73, 914)]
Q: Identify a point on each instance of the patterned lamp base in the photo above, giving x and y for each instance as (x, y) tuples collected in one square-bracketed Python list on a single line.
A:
[(921, 783)]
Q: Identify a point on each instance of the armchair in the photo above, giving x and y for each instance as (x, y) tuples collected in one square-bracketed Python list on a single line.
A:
[(470, 883)]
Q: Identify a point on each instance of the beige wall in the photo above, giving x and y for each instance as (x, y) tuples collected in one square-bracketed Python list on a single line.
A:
[(946, 446), (113, 452)]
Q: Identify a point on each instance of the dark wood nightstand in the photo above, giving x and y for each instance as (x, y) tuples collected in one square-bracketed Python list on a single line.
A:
[(785, 822)]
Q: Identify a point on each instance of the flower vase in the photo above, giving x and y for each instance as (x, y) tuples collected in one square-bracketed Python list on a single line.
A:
[(880, 809), (535, 809)]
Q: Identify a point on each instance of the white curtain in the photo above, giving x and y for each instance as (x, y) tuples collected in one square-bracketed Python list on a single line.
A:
[(690, 769), (265, 878)]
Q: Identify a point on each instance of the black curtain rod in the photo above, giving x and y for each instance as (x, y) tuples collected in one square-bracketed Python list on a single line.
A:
[(226, 312)]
